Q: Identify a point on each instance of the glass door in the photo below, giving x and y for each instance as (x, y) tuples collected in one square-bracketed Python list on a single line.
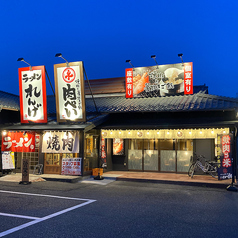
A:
[(167, 156), (151, 155), (184, 153), (135, 154)]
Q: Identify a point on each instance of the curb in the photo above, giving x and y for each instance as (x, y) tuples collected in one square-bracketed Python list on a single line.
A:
[(185, 183), (73, 180)]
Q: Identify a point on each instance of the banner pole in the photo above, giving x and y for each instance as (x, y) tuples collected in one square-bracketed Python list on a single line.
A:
[(90, 90), (50, 82), (231, 187)]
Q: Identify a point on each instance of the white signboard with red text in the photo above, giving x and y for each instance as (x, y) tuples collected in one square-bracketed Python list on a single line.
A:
[(32, 88), (18, 142), (60, 142), (71, 166), (161, 80), (69, 84)]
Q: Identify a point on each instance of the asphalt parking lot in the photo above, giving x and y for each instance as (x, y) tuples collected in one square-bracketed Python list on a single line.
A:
[(117, 209)]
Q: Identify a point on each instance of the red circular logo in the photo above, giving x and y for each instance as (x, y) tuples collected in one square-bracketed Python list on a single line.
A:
[(68, 75)]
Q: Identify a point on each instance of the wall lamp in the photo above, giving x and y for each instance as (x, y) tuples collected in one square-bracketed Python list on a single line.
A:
[(60, 56), (21, 59), (129, 61), (153, 57), (180, 55)]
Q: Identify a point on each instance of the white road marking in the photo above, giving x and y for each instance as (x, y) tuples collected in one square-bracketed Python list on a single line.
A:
[(37, 220), (18, 216), (44, 195)]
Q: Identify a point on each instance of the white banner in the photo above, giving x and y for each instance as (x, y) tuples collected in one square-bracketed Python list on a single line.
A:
[(33, 94), (60, 142), (71, 166), (8, 161), (70, 92)]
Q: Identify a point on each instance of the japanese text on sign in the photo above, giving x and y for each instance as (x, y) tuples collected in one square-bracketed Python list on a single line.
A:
[(103, 153), (60, 142), (225, 157), (71, 166), (19, 142), (161, 80), (226, 162), (33, 94), (70, 95)]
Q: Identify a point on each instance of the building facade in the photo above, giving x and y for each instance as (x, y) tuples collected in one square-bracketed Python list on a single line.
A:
[(157, 134)]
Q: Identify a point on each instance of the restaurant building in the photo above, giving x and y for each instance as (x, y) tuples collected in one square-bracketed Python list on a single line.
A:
[(157, 134)]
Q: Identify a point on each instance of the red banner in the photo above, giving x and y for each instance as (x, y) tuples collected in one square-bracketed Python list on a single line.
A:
[(129, 83), (188, 78), (19, 142)]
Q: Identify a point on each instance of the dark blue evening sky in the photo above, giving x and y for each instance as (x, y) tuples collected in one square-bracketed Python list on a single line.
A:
[(104, 34)]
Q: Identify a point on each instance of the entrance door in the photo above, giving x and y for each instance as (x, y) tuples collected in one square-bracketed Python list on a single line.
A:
[(143, 155), (150, 153), (167, 156), (135, 154), (52, 164)]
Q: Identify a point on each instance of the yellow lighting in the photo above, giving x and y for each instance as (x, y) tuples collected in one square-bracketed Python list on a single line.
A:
[(129, 132), (103, 133), (111, 132), (148, 133), (4, 133), (119, 132), (190, 132), (157, 132), (224, 132), (168, 132), (212, 131), (200, 132)]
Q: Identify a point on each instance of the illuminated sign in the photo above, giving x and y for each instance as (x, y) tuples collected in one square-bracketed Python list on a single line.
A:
[(18, 142), (32, 94), (69, 85), (118, 146), (225, 156), (60, 142), (161, 80)]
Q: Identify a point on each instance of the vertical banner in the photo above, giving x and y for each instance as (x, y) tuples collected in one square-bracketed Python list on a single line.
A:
[(103, 153), (129, 83), (188, 78), (225, 156), (32, 88), (69, 85)]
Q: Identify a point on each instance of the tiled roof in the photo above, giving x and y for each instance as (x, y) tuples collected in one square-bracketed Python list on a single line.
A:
[(195, 102), (9, 101)]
